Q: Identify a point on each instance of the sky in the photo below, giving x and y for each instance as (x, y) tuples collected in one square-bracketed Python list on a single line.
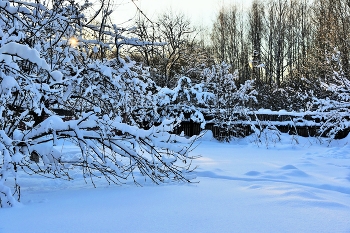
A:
[(200, 12)]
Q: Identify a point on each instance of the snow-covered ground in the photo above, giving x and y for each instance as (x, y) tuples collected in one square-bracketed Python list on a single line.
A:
[(243, 187)]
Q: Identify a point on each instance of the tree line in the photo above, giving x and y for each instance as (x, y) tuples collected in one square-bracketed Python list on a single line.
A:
[(288, 47)]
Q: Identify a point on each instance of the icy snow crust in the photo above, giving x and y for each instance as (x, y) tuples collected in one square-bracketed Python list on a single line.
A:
[(296, 185)]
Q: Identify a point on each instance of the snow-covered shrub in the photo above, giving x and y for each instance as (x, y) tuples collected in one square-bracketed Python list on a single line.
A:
[(265, 134), (58, 81), (186, 102), (231, 104), (335, 107)]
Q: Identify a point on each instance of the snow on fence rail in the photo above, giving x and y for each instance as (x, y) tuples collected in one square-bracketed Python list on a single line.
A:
[(296, 123)]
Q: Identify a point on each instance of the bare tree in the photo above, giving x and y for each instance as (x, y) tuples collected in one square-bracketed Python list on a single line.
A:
[(229, 41), (181, 52), (256, 31)]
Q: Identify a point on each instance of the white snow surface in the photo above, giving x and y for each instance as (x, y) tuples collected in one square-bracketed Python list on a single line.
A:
[(242, 187)]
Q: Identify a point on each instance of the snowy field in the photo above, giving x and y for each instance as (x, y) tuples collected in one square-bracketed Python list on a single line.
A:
[(243, 187)]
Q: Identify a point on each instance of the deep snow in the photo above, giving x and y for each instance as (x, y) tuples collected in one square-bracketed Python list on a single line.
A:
[(243, 187)]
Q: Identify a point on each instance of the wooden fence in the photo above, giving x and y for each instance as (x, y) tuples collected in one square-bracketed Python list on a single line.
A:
[(306, 125)]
